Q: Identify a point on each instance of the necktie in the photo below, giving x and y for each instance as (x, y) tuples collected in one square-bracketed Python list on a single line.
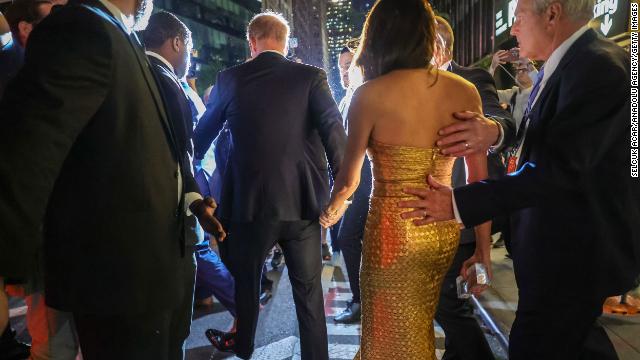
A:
[(512, 162), (532, 99)]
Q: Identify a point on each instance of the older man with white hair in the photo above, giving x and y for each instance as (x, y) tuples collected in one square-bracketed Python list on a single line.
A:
[(573, 204)]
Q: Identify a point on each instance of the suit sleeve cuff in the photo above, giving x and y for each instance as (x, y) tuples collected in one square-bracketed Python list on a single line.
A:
[(189, 198)]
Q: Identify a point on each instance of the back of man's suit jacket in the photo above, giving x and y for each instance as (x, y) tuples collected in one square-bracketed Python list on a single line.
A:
[(575, 208), (283, 120), (88, 162)]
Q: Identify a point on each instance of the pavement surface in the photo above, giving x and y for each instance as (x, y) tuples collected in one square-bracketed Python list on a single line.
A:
[(277, 335), (501, 300)]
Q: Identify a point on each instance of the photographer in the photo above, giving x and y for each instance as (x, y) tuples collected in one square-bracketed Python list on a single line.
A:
[(517, 96)]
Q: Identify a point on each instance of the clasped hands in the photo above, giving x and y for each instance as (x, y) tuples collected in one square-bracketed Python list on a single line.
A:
[(330, 216)]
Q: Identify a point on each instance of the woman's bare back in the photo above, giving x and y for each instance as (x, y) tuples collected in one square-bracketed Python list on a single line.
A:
[(408, 107)]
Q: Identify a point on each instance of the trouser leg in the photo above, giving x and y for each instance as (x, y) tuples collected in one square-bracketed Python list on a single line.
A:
[(247, 248), (300, 247), (464, 339)]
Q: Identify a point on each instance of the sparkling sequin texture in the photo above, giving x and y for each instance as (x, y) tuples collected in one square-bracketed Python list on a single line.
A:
[(402, 264)]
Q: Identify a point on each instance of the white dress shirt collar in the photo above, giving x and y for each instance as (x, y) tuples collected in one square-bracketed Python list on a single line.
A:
[(127, 21), (161, 58), (557, 55), (445, 66)]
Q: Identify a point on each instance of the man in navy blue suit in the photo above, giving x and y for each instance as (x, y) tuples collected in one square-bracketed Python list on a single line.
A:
[(284, 125), (574, 207)]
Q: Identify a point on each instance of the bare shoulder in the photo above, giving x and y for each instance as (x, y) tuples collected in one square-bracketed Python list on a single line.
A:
[(457, 83), (370, 93)]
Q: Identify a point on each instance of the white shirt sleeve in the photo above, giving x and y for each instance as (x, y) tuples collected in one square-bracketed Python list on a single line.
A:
[(189, 198), (500, 141)]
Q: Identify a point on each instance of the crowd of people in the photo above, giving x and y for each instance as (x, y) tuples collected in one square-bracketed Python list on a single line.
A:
[(111, 226)]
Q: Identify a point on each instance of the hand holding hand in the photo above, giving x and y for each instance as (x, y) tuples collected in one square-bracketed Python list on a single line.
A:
[(435, 204), (331, 216), (474, 134), (204, 210)]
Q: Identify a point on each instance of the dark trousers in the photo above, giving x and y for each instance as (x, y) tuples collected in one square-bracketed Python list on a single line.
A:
[(141, 336), (556, 328), (247, 247), (213, 278), (155, 335), (352, 251), (352, 229), (464, 339), (180, 326)]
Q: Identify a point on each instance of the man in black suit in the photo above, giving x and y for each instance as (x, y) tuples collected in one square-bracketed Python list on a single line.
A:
[(464, 338), (573, 204), (168, 42), (283, 121), (92, 182)]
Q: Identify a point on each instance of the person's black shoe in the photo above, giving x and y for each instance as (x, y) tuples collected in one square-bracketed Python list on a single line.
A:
[(276, 260), (326, 252), (265, 297), (223, 341), (350, 315)]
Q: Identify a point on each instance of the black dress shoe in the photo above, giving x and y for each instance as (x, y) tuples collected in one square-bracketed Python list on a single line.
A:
[(223, 341), (326, 252), (350, 315), (265, 297), (276, 260)]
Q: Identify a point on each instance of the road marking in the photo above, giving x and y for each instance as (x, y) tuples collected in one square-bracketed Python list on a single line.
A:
[(279, 350), (19, 311)]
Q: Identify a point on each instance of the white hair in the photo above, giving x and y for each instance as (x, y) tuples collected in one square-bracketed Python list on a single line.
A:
[(576, 9)]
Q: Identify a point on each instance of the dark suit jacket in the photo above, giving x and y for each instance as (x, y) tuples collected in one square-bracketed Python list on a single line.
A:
[(575, 209), (282, 119), (11, 56), (490, 106), (180, 117), (89, 169)]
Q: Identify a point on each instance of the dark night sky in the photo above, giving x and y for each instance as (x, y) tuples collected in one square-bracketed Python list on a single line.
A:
[(363, 5)]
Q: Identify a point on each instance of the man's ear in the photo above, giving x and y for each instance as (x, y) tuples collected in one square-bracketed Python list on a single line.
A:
[(553, 13), (252, 44), (175, 44)]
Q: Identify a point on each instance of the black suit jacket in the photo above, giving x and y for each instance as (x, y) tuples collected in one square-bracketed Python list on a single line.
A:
[(89, 169), (491, 107), (283, 120), (575, 209), (180, 117)]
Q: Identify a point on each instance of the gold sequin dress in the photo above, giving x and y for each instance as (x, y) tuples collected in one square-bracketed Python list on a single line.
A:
[(403, 265)]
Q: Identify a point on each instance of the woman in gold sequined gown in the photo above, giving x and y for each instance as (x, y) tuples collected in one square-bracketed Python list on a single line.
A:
[(395, 116)]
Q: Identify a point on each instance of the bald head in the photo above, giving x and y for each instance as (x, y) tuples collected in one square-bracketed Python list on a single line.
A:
[(268, 31)]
